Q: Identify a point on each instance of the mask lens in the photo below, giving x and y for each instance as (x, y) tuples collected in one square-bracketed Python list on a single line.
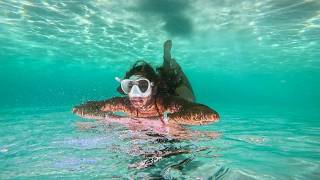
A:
[(130, 85), (127, 85), (143, 85)]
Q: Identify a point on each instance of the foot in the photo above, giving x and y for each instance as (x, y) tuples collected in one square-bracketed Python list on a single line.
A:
[(167, 50), (167, 45)]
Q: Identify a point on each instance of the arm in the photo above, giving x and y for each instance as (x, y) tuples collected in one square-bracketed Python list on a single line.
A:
[(100, 109), (116, 104), (188, 113), (90, 109)]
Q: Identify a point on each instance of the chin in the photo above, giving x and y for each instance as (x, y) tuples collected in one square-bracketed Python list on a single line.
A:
[(137, 105), (138, 102)]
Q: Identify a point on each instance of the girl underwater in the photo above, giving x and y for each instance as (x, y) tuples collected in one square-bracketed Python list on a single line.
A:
[(165, 98)]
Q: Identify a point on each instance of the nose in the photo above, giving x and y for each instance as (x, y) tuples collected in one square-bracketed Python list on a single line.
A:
[(135, 92)]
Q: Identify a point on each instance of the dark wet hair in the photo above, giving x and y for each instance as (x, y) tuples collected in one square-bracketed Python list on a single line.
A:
[(144, 69)]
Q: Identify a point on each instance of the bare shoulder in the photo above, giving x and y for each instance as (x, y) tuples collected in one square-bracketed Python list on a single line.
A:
[(179, 104), (173, 103), (116, 104), (175, 100), (118, 100)]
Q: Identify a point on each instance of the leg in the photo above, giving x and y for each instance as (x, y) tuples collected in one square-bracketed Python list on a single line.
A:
[(182, 87), (167, 55)]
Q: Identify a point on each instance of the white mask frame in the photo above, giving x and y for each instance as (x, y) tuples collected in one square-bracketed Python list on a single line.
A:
[(135, 91)]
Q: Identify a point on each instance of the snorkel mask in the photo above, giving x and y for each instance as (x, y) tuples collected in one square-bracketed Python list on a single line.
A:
[(136, 86)]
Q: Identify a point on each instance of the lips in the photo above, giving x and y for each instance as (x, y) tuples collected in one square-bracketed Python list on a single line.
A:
[(136, 100)]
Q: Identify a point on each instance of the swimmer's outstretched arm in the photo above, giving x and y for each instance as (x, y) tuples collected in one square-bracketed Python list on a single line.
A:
[(188, 113), (90, 110), (100, 109)]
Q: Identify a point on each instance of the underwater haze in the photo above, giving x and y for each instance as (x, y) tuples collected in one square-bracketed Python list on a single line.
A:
[(257, 62)]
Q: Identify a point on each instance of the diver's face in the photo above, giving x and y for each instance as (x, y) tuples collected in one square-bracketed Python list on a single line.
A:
[(139, 90), (140, 102)]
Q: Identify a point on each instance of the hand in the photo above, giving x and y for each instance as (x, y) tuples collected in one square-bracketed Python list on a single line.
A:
[(78, 110), (75, 110)]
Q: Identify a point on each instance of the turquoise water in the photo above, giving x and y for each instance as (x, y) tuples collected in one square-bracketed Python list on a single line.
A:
[(255, 62)]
